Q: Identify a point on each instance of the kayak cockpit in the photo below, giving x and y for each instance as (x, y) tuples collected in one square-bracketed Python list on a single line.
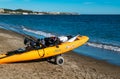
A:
[(31, 44)]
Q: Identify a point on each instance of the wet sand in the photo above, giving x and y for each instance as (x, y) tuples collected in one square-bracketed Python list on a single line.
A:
[(75, 66)]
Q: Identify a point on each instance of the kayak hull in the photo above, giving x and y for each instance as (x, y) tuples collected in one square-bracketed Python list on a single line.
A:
[(45, 52)]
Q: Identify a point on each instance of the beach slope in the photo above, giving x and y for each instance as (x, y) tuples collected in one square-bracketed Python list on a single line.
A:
[(75, 66)]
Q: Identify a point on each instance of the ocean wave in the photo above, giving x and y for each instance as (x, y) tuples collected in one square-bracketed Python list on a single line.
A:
[(104, 46), (1, 26), (38, 32), (92, 44)]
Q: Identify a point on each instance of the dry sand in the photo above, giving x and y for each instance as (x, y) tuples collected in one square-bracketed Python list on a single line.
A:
[(75, 66)]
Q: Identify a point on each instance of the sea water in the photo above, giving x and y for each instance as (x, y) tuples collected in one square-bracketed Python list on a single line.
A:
[(103, 31)]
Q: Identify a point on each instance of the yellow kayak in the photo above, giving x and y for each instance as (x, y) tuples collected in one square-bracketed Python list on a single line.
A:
[(47, 52)]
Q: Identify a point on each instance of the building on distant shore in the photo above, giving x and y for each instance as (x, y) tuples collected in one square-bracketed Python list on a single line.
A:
[(1, 10), (25, 13)]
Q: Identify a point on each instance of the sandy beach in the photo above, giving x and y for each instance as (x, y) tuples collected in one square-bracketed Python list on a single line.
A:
[(75, 66)]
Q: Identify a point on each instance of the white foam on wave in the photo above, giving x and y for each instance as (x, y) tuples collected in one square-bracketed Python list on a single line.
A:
[(2, 27), (104, 46), (38, 32)]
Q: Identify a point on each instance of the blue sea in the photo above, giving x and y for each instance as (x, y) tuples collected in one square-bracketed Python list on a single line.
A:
[(103, 31)]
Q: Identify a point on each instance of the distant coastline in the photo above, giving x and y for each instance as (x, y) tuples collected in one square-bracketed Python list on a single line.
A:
[(4, 11)]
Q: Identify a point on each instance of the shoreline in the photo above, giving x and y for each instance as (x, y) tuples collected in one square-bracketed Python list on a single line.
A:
[(76, 66)]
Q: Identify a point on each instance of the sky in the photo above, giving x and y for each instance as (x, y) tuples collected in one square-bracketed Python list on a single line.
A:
[(79, 6)]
